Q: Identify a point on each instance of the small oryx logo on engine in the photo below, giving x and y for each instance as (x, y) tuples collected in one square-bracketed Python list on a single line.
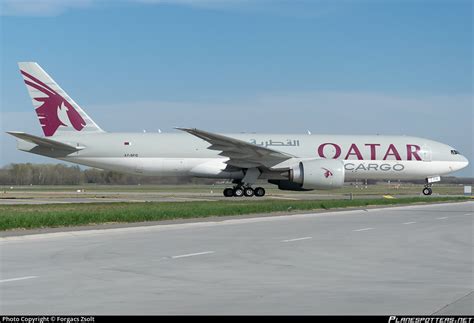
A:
[(327, 172)]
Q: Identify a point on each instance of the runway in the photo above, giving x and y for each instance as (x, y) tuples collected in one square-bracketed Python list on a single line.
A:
[(49, 198), (401, 260), (189, 193), (38, 198)]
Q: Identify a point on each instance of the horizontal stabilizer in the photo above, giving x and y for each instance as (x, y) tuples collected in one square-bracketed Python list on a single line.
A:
[(44, 142)]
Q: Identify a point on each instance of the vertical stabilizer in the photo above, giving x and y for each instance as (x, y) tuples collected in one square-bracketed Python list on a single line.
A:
[(56, 111)]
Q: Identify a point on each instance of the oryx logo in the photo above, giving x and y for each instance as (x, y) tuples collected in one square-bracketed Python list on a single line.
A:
[(327, 172), (53, 104)]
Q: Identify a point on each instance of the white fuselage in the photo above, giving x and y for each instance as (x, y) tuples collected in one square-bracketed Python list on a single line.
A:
[(365, 157)]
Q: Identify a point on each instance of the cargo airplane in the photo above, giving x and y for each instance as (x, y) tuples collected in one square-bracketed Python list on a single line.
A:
[(290, 161)]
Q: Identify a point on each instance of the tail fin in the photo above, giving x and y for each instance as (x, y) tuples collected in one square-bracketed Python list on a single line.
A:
[(57, 112)]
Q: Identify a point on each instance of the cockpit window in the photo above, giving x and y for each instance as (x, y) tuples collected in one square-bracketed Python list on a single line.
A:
[(455, 152)]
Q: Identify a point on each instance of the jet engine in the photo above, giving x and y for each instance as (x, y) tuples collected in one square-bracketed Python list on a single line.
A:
[(313, 174)]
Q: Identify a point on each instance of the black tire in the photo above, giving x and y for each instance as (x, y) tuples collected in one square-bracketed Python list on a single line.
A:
[(238, 192), (228, 192), (427, 191), (248, 192), (259, 191)]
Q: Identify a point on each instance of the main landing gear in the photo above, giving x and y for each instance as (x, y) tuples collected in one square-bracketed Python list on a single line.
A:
[(247, 191), (243, 187)]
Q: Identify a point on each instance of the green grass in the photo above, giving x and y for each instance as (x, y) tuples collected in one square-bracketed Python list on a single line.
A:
[(62, 215)]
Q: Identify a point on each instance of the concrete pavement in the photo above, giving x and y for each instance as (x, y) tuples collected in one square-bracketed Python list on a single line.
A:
[(401, 260)]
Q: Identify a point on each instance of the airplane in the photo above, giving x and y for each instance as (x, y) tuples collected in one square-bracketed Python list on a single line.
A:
[(291, 161)]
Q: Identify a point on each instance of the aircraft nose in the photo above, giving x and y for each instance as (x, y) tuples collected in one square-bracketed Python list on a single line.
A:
[(462, 163)]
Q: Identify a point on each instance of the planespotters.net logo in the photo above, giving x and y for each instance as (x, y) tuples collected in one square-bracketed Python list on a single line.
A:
[(435, 319), (52, 103)]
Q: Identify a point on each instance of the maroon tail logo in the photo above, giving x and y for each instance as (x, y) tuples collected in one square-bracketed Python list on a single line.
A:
[(48, 112), (327, 172)]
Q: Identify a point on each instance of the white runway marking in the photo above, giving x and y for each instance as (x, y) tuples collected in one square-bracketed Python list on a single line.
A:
[(364, 229), (192, 254), (15, 279), (297, 239), (190, 198), (282, 198), (467, 214), (409, 222), (443, 218)]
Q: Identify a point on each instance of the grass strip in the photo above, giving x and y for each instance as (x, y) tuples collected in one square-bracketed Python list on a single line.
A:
[(63, 215)]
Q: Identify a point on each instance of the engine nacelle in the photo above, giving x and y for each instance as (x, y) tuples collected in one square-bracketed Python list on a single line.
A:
[(318, 174), (286, 185)]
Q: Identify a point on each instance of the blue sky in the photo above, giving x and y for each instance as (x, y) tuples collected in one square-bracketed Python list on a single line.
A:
[(392, 67)]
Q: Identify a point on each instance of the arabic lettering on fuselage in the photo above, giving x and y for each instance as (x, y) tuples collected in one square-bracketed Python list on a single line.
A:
[(287, 143)]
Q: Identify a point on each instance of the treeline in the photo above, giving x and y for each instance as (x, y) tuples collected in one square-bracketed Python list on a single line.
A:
[(60, 174)]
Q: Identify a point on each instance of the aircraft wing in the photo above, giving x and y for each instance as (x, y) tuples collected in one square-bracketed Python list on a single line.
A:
[(241, 154), (44, 142)]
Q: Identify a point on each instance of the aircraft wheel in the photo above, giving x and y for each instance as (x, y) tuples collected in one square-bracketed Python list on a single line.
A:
[(427, 191), (259, 191), (238, 192), (228, 192), (248, 192)]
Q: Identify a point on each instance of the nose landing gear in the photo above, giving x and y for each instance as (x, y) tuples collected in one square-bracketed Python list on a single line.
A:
[(428, 183), (427, 191)]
